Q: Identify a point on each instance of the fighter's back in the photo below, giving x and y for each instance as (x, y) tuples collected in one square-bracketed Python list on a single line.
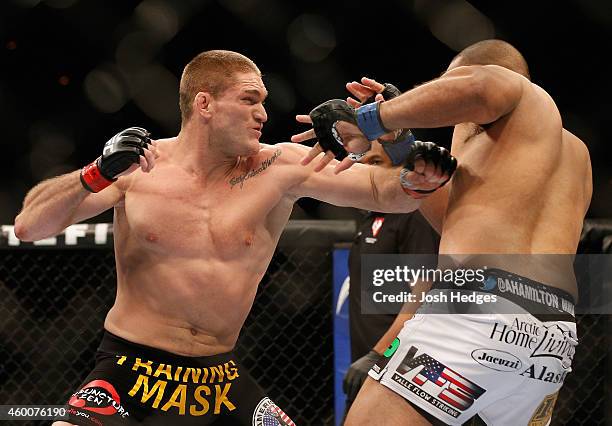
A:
[(523, 184)]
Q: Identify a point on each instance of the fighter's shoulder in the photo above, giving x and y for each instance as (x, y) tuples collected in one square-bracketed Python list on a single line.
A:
[(578, 144), (545, 106)]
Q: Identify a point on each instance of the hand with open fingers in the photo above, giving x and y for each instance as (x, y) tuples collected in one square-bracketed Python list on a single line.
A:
[(427, 168), (369, 90)]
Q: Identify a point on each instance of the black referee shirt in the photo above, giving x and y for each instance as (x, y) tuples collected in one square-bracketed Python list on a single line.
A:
[(381, 233)]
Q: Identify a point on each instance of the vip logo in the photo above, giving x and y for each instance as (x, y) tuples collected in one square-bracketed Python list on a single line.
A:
[(431, 375)]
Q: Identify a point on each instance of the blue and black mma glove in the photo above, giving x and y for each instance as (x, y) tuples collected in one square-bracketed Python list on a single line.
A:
[(397, 149), (367, 119), (370, 126)]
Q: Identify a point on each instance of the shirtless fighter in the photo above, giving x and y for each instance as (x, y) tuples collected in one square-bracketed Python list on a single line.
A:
[(196, 221), (523, 186)]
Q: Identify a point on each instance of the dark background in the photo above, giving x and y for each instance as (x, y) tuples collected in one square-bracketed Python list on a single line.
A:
[(76, 72)]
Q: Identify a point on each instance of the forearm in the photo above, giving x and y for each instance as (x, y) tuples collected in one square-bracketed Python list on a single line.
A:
[(387, 193), (49, 207), (465, 94)]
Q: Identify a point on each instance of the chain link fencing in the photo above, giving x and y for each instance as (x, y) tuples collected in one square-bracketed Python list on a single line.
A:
[(53, 301)]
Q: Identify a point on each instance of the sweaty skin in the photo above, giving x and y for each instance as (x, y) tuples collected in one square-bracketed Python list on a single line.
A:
[(195, 233), (523, 183), (190, 253), (523, 186)]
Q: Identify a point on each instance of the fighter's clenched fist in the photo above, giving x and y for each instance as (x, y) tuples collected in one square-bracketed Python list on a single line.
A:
[(123, 153)]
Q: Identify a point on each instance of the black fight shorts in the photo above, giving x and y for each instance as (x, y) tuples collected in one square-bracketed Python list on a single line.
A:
[(132, 384)]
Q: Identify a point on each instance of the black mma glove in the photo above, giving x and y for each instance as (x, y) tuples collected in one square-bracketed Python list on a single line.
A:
[(357, 373), (430, 153), (324, 118), (365, 118), (120, 152), (325, 115)]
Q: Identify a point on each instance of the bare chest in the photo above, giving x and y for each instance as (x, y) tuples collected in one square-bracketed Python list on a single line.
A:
[(182, 217)]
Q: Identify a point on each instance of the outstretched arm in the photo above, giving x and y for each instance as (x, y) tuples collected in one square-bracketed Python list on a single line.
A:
[(367, 187), (476, 94)]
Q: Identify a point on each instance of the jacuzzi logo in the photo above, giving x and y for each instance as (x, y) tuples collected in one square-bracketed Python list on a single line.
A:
[(496, 360)]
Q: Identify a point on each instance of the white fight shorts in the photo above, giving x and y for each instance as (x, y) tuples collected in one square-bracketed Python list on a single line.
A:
[(506, 367)]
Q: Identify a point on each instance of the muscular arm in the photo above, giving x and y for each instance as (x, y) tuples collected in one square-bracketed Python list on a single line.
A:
[(361, 186), (475, 94), (55, 203)]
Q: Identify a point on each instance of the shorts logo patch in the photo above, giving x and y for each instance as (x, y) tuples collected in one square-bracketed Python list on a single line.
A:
[(543, 413), (268, 413), (436, 384), (98, 396), (551, 341), (496, 360), (392, 348)]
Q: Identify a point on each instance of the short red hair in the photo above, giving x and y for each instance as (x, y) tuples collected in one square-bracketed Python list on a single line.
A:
[(211, 71)]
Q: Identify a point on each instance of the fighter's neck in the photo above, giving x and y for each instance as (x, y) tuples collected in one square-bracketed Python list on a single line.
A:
[(193, 152)]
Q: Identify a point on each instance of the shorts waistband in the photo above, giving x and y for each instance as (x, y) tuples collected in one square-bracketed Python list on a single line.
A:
[(531, 295), (113, 344)]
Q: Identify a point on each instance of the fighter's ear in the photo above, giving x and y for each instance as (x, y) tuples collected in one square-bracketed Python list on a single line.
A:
[(201, 104)]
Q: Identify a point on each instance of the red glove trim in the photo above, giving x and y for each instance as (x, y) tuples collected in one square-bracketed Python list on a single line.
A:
[(92, 179), (414, 194)]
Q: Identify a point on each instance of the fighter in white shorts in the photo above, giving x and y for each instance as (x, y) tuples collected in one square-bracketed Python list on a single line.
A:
[(523, 186), (506, 367)]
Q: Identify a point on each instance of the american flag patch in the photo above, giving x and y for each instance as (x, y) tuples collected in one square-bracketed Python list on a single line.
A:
[(455, 389), (267, 413)]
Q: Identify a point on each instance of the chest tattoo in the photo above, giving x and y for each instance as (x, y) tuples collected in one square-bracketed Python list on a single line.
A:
[(239, 180)]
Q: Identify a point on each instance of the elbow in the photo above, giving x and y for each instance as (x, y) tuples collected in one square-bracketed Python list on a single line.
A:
[(26, 231), (21, 230), (492, 96), (29, 232), (484, 108)]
